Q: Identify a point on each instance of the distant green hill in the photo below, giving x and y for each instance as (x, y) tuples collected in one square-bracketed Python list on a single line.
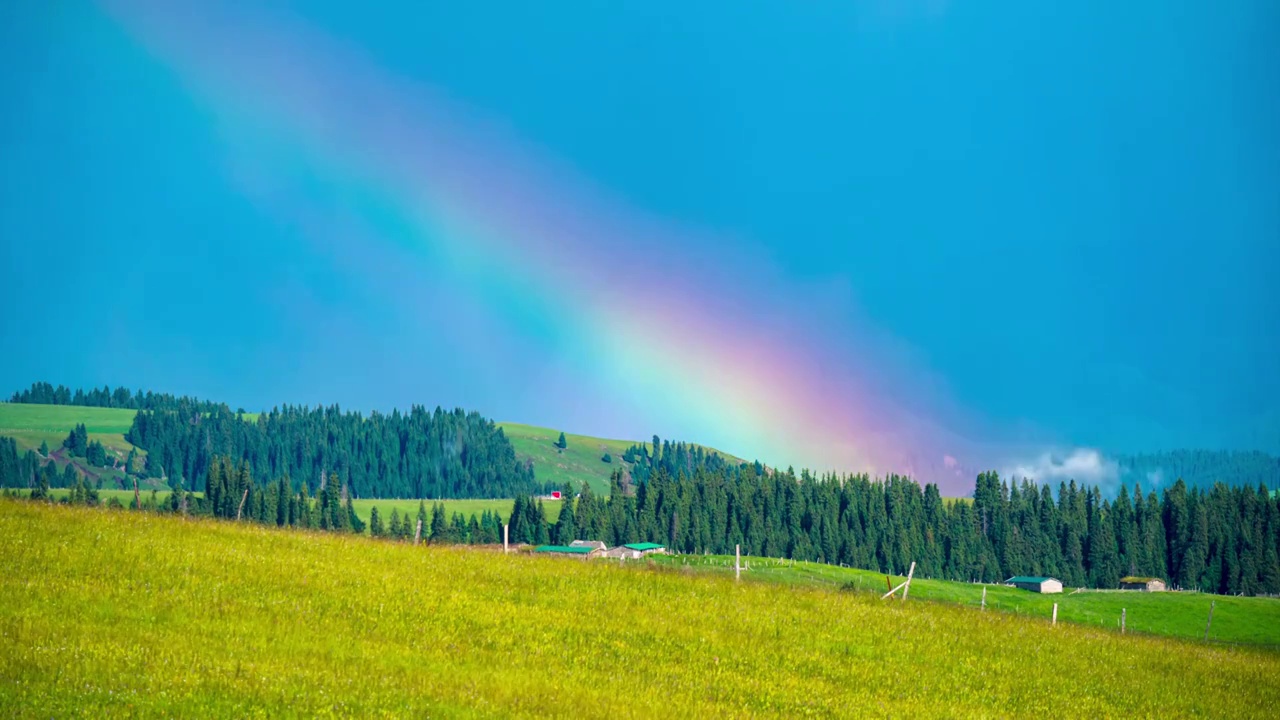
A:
[(582, 461)]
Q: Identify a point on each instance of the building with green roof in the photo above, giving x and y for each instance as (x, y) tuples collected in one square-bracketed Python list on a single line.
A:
[(568, 550), (1035, 583)]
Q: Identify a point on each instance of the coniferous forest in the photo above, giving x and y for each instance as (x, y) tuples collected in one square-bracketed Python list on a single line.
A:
[(301, 467)]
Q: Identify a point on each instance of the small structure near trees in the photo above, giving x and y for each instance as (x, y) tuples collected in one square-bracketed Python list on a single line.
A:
[(569, 551), (593, 544), (635, 551), (1035, 583), (1146, 584)]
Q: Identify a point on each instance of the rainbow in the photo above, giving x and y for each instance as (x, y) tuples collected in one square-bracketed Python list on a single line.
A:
[(693, 356)]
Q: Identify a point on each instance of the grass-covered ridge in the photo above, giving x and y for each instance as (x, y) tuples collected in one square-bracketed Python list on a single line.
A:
[(111, 613)]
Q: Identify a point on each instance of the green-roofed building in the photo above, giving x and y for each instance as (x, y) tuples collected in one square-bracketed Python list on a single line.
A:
[(568, 551), (635, 551), (1035, 583)]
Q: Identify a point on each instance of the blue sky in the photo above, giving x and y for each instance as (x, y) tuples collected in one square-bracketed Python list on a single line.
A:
[(1062, 223)]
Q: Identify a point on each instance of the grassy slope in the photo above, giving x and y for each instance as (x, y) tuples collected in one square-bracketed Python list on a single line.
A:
[(125, 613), (1235, 619), (578, 463)]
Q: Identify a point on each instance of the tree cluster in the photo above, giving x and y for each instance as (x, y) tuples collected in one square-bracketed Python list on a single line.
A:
[(1223, 540), (416, 454), (45, 394)]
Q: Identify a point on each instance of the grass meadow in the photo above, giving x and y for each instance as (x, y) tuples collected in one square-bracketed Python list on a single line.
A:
[(32, 424), (468, 508), (1247, 620), (111, 613), (580, 462)]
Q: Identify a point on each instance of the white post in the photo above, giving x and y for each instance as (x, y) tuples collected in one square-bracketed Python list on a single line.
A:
[(907, 588), (1122, 614), (417, 534), (737, 562), (984, 598), (504, 537), (1055, 613)]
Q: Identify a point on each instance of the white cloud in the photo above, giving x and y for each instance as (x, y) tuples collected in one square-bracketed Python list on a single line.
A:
[(1155, 477), (1084, 465)]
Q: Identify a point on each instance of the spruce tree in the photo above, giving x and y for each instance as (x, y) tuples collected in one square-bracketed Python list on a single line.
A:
[(566, 527), (375, 523)]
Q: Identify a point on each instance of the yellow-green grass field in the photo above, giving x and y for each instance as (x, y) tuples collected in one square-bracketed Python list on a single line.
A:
[(1248, 620), (112, 613), (467, 508)]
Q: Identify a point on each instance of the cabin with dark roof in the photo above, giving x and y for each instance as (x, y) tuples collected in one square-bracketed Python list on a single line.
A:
[(1035, 583), (1145, 584)]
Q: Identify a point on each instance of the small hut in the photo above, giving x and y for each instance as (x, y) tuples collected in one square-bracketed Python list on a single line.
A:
[(593, 544), (1035, 583), (1146, 584)]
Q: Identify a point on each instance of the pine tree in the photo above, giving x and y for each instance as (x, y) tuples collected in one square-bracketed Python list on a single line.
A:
[(562, 443), (566, 527), (375, 523)]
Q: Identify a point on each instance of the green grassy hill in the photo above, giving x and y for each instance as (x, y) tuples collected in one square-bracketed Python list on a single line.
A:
[(117, 613), (581, 462), (1249, 620)]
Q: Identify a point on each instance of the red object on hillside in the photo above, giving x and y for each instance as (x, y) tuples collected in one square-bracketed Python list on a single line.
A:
[(555, 494)]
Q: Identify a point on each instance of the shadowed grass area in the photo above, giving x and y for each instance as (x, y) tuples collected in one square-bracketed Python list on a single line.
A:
[(114, 613)]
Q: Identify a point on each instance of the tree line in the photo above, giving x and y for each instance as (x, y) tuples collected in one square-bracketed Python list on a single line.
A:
[(1223, 540), (1202, 468), (418, 454), (44, 393)]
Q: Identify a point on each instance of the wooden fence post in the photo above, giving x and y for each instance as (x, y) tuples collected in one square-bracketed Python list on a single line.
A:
[(137, 498), (737, 562), (1122, 614), (417, 534), (240, 509), (984, 598), (504, 537), (907, 588), (1206, 625), (1055, 613)]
